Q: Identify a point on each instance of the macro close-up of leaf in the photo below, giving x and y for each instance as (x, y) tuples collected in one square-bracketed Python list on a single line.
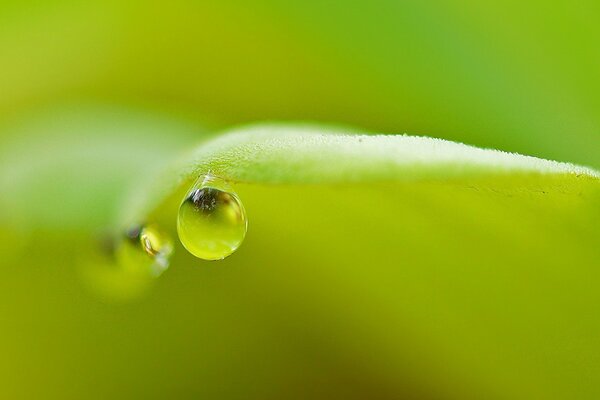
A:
[(270, 199), (415, 228)]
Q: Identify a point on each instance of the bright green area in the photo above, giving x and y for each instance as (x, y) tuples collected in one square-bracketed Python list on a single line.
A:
[(373, 267)]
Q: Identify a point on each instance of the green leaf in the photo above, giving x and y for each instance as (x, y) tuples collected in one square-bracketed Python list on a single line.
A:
[(373, 267), (305, 154), (394, 262)]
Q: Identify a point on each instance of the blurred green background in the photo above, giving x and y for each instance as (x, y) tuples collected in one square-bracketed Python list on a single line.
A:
[(518, 76), (96, 97)]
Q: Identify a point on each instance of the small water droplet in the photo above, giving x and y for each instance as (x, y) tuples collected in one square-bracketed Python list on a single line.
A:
[(212, 221), (124, 267), (145, 248)]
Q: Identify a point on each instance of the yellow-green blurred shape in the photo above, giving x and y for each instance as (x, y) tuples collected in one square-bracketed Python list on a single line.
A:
[(211, 222), (456, 289)]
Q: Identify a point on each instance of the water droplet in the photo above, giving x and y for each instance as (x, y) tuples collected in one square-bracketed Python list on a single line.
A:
[(125, 267), (212, 221), (145, 249)]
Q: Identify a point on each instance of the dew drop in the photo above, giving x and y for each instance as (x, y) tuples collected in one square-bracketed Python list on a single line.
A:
[(144, 249), (212, 221)]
